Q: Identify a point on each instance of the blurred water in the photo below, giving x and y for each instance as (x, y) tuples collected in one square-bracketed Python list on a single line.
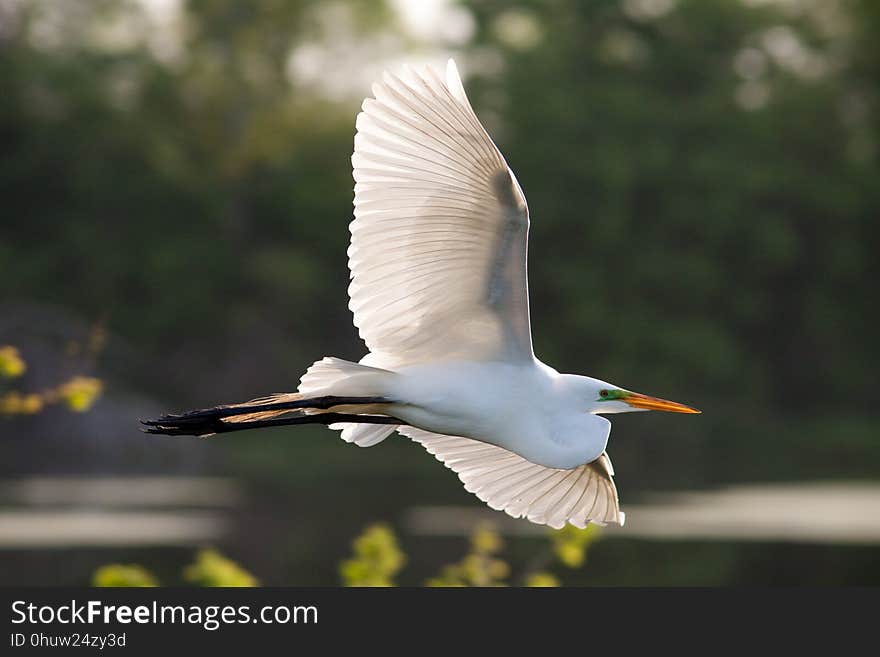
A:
[(845, 513), (56, 530)]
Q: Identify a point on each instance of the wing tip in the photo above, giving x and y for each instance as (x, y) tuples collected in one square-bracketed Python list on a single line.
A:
[(454, 83), (452, 70)]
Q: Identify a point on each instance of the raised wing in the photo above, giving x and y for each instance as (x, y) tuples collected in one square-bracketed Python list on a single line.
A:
[(439, 239), (508, 482)]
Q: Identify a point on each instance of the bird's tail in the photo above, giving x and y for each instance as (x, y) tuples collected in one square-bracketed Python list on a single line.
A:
[(334, 392), (335, 376), (355, 379)]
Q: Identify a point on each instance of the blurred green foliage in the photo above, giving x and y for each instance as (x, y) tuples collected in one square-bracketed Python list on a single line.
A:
[(213, 569), (480, 566), (570, 544), (542, 580), (130, 575), (377, 558), (11, 363), (210, 568), (78, 393)]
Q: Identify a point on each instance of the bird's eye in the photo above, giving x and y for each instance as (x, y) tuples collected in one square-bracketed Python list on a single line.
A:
[(603, 393)]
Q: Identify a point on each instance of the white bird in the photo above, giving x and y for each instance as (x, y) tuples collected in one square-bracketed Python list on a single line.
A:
[(439, 294)]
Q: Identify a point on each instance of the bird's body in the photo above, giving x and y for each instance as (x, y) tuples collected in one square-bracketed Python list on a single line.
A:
[(522, 407), (439, 294), (501, 403)]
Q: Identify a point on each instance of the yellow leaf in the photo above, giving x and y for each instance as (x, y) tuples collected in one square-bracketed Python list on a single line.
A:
[(80, 392), (377, 558), (540, 580), (213, 569), (11, 362), (123, 575)]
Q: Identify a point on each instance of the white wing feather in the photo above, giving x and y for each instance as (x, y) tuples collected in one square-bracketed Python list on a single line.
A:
[(438, 266), (508, 482), (438, 245)]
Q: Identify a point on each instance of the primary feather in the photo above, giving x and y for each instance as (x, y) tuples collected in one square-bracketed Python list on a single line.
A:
[(438, 243)]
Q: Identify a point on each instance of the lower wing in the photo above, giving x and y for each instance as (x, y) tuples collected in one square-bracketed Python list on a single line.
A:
[(508, 482)]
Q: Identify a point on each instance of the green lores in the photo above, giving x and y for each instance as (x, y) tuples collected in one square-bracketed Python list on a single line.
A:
[(613, 393)]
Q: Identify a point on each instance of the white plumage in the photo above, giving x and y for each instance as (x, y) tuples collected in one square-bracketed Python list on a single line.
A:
[(508, 482), (439, 293), (438, 244), (438, 265)]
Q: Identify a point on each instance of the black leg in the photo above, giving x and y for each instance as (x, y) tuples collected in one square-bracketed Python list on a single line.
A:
[(169, 426), (232, 410)]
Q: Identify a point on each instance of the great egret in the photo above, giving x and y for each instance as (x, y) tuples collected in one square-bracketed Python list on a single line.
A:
[(439, 295)]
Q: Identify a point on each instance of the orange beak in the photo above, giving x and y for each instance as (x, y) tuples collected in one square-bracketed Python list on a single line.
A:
[(636, 400)]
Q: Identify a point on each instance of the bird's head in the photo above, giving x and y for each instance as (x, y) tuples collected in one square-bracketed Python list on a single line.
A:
[(604, 398)]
